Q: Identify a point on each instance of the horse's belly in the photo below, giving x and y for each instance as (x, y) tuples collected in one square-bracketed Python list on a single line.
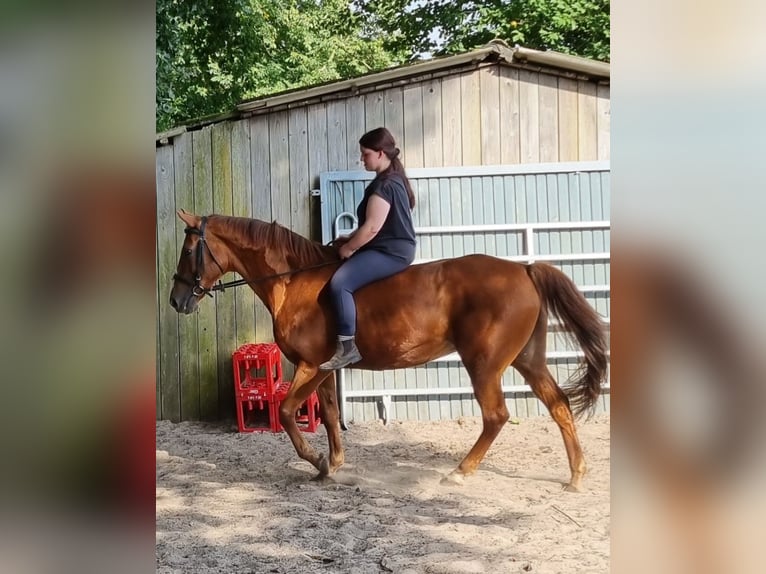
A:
[(398, 354)]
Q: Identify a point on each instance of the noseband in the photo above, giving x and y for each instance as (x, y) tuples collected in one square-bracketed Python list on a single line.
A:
[(197, 289)]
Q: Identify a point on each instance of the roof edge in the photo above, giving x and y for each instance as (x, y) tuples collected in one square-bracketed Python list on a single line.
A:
[(559, 60), (497, 48), (415, 69)]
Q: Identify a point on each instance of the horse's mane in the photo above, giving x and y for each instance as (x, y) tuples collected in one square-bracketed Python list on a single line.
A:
[(255, 234)]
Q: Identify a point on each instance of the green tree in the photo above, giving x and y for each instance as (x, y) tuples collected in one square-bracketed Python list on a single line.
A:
[(201, 47), (213, 54), (579, 27)]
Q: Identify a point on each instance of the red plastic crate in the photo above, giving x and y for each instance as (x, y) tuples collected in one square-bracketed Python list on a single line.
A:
[(259, 391)]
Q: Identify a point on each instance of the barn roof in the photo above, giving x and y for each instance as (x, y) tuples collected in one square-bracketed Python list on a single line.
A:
[(497, 51)]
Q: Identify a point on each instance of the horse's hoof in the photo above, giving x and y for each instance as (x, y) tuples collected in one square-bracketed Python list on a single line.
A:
[(323, 466), (454, 478), (572, 488)]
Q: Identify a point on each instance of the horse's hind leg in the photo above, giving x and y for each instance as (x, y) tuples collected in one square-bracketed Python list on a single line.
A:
[(531, 364), (494, 413), (328, 411)]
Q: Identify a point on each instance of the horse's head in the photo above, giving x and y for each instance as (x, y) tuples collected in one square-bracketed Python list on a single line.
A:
[(198, 269)]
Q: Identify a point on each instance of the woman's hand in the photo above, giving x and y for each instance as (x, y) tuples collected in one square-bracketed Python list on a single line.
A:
[(345, 251), (377, 212), (339, 242)]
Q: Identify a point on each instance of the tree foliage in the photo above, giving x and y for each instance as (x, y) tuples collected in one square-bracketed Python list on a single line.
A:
[(213, 54), (579, 27)]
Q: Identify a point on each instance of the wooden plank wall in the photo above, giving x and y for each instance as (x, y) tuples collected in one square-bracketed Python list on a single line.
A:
[(266, 166)]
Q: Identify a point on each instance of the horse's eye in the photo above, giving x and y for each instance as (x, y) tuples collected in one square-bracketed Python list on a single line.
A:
[(187, 251)]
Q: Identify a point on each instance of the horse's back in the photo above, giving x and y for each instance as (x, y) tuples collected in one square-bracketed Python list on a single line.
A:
[(460, 278), (486, 285), (466, 276), (423, 311)]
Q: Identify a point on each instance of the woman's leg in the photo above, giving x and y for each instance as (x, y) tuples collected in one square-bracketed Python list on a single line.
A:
[(358, 271)]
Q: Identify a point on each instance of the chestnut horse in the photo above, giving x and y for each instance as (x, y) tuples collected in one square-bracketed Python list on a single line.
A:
[(494, 313)]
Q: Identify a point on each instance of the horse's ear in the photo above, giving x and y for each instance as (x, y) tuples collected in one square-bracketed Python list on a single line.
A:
[(188, 218)]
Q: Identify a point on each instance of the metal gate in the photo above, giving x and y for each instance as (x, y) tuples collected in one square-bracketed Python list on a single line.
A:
[(543, 212)]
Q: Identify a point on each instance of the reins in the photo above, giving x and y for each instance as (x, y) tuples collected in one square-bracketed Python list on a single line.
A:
[(197, 287), (222, 286)]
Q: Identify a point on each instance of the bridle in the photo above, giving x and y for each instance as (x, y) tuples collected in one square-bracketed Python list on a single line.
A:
[(198, 290)]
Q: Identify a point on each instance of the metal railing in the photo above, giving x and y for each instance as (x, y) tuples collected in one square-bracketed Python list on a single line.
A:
[(385, 396)]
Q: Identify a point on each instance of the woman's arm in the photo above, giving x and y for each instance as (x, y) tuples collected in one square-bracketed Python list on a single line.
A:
[(377, 211)]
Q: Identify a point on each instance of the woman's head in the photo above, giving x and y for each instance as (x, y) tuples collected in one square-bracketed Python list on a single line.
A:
[(380, 154), (380, 139)]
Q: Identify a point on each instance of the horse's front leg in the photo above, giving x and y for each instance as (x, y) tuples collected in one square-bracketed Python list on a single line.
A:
[(307, 379), (328, 411)]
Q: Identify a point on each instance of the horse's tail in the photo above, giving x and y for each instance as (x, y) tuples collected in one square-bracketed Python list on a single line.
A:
[(565, 302)]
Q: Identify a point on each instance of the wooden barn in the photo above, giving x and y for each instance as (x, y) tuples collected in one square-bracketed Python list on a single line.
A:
[(508, 150)]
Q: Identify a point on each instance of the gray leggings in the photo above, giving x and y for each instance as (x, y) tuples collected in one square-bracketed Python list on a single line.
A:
[(360, 269)]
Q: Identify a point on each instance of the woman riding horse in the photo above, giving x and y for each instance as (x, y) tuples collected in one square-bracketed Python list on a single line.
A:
[(493, 312)]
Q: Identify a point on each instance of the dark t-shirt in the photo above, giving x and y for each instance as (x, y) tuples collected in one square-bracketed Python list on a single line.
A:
[(397, 235)]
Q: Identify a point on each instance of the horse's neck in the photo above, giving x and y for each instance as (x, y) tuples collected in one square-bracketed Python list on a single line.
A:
[(283, 247), (262, 250)]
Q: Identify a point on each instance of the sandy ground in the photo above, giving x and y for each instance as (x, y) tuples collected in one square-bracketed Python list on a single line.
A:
[(245, 503)]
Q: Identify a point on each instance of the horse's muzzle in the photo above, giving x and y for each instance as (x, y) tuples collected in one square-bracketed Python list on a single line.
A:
[(189, 305)]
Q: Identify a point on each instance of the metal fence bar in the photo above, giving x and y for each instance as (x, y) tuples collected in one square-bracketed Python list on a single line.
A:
[(529, 258), (414, 392), (385, 395), (513, 227), (481, 170)]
